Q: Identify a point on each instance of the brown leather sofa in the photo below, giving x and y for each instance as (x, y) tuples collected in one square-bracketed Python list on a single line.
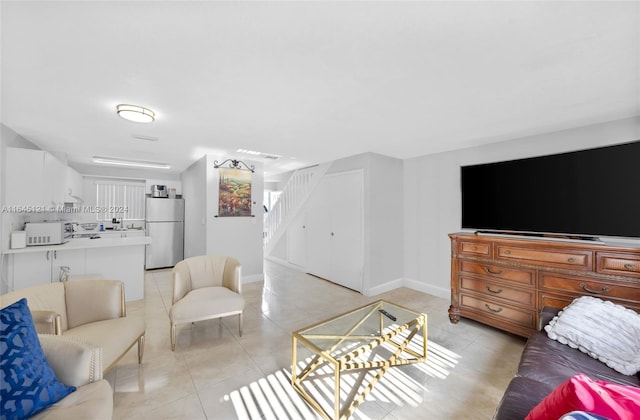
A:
[(544, 365)]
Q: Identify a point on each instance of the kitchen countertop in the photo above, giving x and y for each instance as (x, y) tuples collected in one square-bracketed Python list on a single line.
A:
[(82, 243)]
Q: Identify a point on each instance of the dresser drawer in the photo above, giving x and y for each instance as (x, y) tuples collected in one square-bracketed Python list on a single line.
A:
[(627, 265), (488, 307), (499, 291), (562, 300), (573, 259), (520, 276), (474, 248), (589, 287)]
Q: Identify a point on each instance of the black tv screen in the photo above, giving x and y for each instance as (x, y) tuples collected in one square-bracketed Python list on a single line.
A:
[(590, 193)]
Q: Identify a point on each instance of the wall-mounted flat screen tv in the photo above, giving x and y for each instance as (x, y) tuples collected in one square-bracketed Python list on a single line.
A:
[(587, 193)]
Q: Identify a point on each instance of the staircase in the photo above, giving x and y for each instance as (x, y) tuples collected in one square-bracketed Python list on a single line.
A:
[(294, 195)]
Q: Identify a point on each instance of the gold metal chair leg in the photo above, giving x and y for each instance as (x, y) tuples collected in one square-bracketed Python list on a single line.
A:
[(240, 324), (140, 348), (173, 337)]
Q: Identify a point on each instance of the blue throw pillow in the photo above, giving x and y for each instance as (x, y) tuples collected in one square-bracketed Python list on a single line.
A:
[(28, 384)]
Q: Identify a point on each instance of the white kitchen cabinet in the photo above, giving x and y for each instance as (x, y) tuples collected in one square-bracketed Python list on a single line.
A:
[(74, 186), (24, 185), (34, 178), (334, 230), (110, 257), (55, 180), (34, 268), (125, 263)]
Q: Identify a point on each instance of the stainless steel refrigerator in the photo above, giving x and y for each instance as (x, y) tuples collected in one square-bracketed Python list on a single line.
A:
[(165, 225)]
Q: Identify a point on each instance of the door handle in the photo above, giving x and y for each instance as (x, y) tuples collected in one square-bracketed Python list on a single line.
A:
[(48, 255)]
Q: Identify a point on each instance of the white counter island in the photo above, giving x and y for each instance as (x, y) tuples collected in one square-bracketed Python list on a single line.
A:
[(108, 257)]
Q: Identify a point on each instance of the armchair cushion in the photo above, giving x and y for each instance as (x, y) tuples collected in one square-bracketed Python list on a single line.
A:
[(29, 384), (197, 305), (122, 330)]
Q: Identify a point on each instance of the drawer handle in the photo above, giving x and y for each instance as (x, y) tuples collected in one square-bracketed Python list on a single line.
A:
[(493, 310), (495, 292), (628, 266), (507, 252), (595, 292), (495, 273), (571, 260)]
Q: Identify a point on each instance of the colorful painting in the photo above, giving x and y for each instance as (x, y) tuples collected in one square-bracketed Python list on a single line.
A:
[(235, 193)]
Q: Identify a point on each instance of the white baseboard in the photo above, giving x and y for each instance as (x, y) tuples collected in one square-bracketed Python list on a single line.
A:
[(386, 287), (252, 278), (441, 292), (410, 284), (285, 263)]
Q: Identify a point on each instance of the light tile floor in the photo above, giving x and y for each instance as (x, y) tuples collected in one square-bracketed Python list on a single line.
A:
[(215, 374)]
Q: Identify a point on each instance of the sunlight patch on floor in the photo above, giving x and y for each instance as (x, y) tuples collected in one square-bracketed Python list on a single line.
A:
[(274, 398)]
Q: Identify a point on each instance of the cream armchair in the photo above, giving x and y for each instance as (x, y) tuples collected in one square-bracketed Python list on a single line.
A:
[(90, 310), (205, 287)]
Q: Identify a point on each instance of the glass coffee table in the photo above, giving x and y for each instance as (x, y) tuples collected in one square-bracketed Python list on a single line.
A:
[(351, 352)]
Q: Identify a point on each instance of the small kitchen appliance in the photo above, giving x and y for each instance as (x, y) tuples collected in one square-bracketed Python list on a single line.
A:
[(159, 191), (48, 233)]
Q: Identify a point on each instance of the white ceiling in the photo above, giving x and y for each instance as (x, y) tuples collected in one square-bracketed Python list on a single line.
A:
[(311, 81)]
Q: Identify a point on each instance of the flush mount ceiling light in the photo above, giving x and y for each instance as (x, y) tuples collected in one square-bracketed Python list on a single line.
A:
[(135, 113), (134, 163)]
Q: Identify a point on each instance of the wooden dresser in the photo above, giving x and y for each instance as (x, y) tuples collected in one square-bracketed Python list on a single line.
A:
[(504, 281)]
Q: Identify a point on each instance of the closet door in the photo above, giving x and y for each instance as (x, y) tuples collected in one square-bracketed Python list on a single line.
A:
[(335, 233), (297, 240), (346, 230), (319, 230)]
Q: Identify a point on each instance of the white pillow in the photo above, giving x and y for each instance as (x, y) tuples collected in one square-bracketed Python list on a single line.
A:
[(604, 330)]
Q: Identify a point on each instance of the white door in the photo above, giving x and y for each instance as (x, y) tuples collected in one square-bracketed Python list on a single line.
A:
[(319, 230), (335, 245), (346, 230), (297, 241)]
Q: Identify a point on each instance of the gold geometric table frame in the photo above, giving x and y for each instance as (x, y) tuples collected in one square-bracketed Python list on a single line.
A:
[(348, 362)]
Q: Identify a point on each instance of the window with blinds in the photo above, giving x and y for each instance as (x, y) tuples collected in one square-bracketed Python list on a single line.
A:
[(120, 200)]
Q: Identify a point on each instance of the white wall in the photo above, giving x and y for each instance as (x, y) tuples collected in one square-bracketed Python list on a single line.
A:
[(206, 234), (195, 194), (384, 247), (240, 237), (432, 199)]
